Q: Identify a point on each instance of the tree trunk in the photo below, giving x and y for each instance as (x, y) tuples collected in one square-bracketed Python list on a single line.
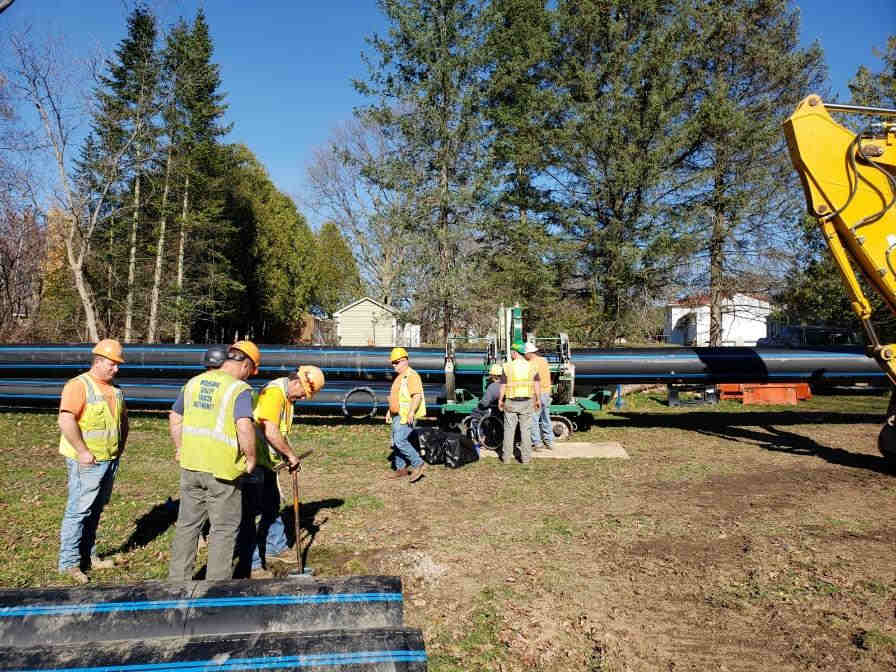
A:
[(160, 250), (132, 265), (180, 261), (716, 289)]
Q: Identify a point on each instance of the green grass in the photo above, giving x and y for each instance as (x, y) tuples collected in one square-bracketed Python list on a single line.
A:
[(754, 525)]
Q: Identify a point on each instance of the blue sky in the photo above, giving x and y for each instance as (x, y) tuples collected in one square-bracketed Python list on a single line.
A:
[(287, 66)]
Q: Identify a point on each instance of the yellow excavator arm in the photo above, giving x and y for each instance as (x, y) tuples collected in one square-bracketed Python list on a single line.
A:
[(850, 189)]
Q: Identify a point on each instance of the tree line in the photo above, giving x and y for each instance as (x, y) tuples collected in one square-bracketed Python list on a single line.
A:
[(590, 159), (156, 230)]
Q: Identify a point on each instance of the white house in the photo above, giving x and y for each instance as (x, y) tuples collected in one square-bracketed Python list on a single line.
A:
[(743, 320), (369, 322)]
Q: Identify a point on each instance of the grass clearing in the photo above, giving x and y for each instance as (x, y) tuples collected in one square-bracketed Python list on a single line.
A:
[(734, 538)]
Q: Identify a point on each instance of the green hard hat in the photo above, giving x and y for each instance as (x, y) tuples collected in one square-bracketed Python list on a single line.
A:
[(519, 347)]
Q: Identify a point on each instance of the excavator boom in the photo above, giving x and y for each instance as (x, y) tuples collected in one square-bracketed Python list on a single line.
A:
[(849, 180)]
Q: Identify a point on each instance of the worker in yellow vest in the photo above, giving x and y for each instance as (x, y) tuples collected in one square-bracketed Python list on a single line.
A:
[(93, 421), (520, 397), (213, 431), (274, 412), (406, 406), (542, 429)]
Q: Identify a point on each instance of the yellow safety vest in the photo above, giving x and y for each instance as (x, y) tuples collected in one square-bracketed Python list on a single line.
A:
[(100, 426), (404, 400), (209, 439), (520, 375), (267, 455)]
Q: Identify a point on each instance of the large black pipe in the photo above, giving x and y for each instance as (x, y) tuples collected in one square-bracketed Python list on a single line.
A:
[(154, 373), (46, 616), (375, 650)]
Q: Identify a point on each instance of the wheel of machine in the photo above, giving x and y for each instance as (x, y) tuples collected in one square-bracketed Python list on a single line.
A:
[(562, 427), (886, 442), (491, 431), (359, 391)]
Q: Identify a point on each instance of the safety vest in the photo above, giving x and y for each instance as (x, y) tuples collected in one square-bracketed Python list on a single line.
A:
[(520, 377), (404, 400), (100, 426), (209, 440), (267, 455)]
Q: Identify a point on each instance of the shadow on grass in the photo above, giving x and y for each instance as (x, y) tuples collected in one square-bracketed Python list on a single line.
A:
[(764, 429), (309, 526), (151, 525)]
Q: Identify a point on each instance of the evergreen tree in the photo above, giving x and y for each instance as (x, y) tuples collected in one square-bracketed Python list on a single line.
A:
[(614, 133), (748, 73), (518, 253), (425, 88), (125, 123), (338, 282), (202, 234)]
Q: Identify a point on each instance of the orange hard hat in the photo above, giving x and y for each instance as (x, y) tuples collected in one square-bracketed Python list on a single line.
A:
[(110, 349), (250, 350), (312, 379)]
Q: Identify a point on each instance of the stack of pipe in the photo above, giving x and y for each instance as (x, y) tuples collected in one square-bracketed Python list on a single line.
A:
[(358, 379)]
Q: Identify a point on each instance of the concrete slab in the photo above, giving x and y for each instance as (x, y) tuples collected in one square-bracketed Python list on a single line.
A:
[(565, 450)]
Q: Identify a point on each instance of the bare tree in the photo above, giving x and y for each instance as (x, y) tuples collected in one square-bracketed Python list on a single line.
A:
[(372, 218), (44, 77)]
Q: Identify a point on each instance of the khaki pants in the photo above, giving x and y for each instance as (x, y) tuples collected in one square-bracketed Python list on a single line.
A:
[(517, 412), (202, 495)]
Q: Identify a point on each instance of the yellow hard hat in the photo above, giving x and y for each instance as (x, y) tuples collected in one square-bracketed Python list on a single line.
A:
[(397, 353), (495, 370), (110, 349), (312, 379), (250, 350)]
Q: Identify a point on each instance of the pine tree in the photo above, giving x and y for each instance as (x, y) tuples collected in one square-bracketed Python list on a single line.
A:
[(126, 118), (337, 280), (748, 73), (425, 88), (201, 233)]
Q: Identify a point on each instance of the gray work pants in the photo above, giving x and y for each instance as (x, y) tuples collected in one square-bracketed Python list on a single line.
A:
[(517, 412), (202, 495)]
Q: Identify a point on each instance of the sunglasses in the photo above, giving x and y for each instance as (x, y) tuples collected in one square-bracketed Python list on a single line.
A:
[(237, 356), (396, 362)]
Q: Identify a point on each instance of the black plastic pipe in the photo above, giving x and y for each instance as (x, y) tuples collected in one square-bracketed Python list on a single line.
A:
[(374, 650), (45, 616)]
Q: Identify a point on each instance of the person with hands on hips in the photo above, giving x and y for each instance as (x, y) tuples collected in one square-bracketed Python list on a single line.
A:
[(93, 422), (406, 406)]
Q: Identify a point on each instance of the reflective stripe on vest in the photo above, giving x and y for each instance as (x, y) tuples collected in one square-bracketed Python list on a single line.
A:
[(520, 379), (270, 457), (209, 436), (404, 400), (99, 424)]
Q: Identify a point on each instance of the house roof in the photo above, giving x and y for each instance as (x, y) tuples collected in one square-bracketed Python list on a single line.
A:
[(702, 299), (388, 309)]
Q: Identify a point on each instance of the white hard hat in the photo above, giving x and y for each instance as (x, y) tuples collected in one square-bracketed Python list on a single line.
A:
[(531, 347)]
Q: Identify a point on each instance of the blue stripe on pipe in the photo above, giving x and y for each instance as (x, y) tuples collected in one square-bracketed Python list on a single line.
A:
[(261, 662), (197, 603)]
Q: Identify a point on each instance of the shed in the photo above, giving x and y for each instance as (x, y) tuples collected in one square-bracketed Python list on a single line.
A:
[(744, 320), (369, 322)]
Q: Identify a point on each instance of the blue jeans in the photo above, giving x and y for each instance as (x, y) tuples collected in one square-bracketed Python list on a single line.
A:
[(261, 497), (405, 453), (541, 424), (89, 489)]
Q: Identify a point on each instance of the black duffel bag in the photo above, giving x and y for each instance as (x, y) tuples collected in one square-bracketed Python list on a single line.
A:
[(449, 448)]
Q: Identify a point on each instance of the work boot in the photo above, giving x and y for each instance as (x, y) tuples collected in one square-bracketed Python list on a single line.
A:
[(416, 473), (261, 573), (398, 473), (538, 446), (287, 556), (76, 574), (97, 562)]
